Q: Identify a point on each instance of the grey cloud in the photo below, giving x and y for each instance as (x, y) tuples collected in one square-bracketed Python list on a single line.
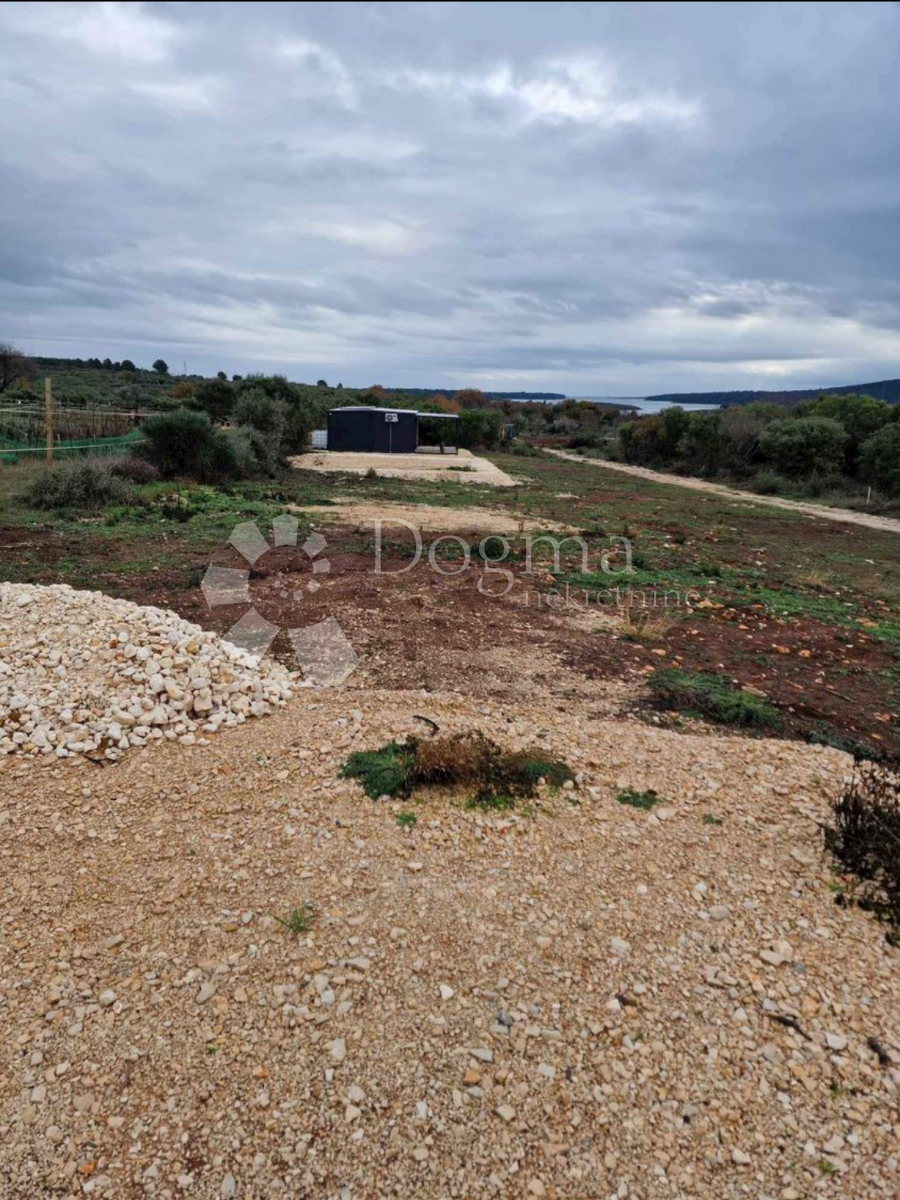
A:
[(590, 198)]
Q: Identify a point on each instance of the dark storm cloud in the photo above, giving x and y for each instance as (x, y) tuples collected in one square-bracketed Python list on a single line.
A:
[(591, 198)]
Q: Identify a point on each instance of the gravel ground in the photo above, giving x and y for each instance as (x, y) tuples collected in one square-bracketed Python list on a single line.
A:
[(583, 1000)]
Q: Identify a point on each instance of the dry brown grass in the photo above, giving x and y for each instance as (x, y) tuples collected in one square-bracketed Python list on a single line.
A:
[(649, 626)]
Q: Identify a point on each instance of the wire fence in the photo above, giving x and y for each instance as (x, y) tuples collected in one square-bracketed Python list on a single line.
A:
[(33, 436)]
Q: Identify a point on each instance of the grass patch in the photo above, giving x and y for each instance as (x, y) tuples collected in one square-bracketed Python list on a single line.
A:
[(712, 819), (642, 800), (387, 771), (498, 777), (713, 697), (406, 819), (865, 840), (299, 920)]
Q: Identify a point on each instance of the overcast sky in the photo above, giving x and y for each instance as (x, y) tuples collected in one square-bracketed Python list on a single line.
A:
[(588, 198)]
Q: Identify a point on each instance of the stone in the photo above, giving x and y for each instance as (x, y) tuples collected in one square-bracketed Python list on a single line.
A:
[(337, 1050)]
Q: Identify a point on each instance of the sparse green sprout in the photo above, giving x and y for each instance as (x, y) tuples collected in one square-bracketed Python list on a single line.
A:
[(490, 802), (826, 1167), (300, 919), (643, 800), (712, 819), (407, 820)]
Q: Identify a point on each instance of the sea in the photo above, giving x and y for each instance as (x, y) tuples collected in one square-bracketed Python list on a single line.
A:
[(644, 406)]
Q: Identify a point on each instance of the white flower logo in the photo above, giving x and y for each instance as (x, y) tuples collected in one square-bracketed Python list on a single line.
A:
[(323, 651)]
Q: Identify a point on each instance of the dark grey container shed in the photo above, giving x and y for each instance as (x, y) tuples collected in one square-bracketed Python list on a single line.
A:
[(376, 430)]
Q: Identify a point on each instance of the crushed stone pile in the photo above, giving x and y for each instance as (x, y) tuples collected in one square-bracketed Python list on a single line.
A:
[(82, 673)]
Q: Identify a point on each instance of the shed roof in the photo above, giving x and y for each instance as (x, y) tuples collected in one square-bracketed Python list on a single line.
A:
[(412, 412)]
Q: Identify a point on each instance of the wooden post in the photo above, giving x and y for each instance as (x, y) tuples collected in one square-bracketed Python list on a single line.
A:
[(48, 421)]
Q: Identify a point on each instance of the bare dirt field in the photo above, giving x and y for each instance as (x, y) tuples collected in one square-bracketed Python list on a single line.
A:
[(463, 467), (432, 518)]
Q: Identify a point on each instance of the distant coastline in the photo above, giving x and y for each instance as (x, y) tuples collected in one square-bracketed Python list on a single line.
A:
[(883, 389), (644, 405)]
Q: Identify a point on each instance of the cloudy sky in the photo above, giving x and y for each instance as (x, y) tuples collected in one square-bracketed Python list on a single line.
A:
[(587, 198)]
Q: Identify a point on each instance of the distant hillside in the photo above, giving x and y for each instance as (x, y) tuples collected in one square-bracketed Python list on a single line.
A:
[(886, 389), (427, 392)]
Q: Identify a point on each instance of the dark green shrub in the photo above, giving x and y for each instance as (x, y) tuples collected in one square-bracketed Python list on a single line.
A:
[(216, 398), (184, 443), (860, 416), (879, 459), (801, 445), (88, 483), (267, 420), (479, 428)]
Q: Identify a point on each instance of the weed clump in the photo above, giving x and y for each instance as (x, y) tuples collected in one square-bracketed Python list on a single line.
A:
[(865, 839), (497, 777), (713, 697), (299, 920), (643, 800)]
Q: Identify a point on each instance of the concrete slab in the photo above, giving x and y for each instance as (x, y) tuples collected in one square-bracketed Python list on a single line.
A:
[(464, 467)]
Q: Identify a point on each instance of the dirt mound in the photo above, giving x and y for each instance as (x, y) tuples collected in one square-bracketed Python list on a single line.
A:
[(82, 673)]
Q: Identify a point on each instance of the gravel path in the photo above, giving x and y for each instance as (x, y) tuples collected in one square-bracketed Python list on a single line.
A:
[(587, 1001), (846, 516)]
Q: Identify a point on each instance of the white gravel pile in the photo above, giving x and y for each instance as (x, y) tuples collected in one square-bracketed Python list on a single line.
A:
[(83, 673)]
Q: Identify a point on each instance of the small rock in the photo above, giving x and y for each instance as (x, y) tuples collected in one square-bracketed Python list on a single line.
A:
[(338, 1050)]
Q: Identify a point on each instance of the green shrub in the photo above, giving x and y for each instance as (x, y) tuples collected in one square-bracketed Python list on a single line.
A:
[(216, 398), (479, 428), (801, 445), (879, 459), (769, 483), (267, 419), (244, 445), (87, 483), (713, 697), (184, 443)]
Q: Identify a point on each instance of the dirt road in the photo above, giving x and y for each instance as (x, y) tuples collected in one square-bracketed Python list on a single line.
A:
[(845, 515)]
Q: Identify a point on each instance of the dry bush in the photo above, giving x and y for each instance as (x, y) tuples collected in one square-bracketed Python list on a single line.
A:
[(470, 760), (646, 625), (865, 839)]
